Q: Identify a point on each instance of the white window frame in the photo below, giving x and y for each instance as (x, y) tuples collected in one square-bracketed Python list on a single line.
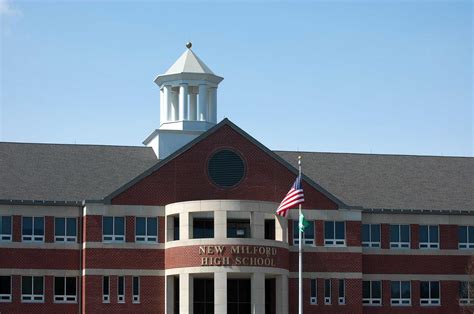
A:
[(335, 242), (65, 298), (106, 297), (5, 237), (120, 297), (430, 244), (135, 296), (6, 298), (146, 238), (65, 238), (113, 237), (400, 301), (296, 240), (429, 301), (470, 295), (370, 243), (400, 244), (327, 300), (32, 298), (313, 300), (33, 237), (373, 301), (466, 245)]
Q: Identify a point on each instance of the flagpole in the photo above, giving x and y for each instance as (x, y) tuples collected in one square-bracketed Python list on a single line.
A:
[(300, 256)]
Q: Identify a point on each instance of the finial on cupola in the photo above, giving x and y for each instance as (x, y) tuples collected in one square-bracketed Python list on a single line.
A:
[(189, 45)]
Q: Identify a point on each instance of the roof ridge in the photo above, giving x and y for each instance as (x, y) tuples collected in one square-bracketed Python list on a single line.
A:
[(370, 154), (70, 144)]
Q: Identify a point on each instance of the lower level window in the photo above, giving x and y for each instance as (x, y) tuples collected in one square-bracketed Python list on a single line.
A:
[(313, 292), (5, 289), (342, 292), (32, 289), (136, 290), (429, 293), (121, 289), (65, 289), (327, 291), (372, 292), (106, 289), (466, 292), (400, 293)]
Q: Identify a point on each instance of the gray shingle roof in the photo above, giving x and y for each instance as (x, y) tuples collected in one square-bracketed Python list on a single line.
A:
[(62, 172), (392, 181)]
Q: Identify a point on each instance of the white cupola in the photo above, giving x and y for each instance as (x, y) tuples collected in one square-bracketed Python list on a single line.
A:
[(188, 103)]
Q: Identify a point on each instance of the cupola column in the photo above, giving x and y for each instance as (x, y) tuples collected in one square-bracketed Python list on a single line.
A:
[(212, 104), (174, 106), (166, 103), (202, 112), (193, 106), (183, 101)]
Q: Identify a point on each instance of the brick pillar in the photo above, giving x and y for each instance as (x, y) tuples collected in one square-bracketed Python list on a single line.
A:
[(319, 233), (415, 293), (48, 289), (49, 229), (16, 290), (16, 231), (415, 236), (353, 233), (448, 237), (161, 229), (130, 229), (385, 236), (386, 293)]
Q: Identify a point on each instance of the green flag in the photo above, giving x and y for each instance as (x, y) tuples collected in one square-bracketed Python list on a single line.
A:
[(303, 223)]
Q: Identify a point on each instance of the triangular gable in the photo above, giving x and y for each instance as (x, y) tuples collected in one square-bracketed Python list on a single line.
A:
[(182, 176)]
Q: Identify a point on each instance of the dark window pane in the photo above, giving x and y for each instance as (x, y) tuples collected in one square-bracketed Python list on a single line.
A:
[(108, 227), (366, 289), (27, 228), (176, 228), (463, 290), (329, 229), (39, 226), (405, 233), (270, 229), (375, 233), (140, 226), (5, 285), (6, 226), (434, 234), (394, 235), (434, 289), (26, 285), (313, 288), (71, 285), (296, 230), (38, 285), (340, 230), (406, 289), (203, 228), (105, 285), (376, 290), (121, 285), (309, 230), (462, 233), (423, 233), (395, 289), (58, 285), (424, 289), (471, 234), (341, 288), (152, 226), (119, 226), (135, 285), (365, 233), (238, 228), (59, 228), (327, 288), (71, 227)]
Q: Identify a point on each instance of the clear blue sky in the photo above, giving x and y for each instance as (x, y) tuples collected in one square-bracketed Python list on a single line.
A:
[(380, 77)]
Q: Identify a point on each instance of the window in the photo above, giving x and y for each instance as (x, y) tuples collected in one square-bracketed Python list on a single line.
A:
[(334, 233), (5, 228), (105, 289), (371, 292), (238, 295), (466, 292), (176, 228), (307, 236), (466, 237), (65, 289), (269, 229), (327, 291), (121, 289), (32, 289), (113, 229), (65, 229), (400, 236), (342, 292), (203, 228), (400, 293), (136, 290), (5, 289), (370, 235), (313, 292), (238, 228), (429, 237), (429, 293), (33, 229), (146, 229)]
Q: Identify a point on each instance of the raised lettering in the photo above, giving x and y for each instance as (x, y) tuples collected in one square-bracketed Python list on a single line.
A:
[(202, 250), (219, 249)]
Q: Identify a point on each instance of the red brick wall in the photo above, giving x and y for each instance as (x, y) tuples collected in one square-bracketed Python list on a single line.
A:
[(415, 264), (39, 258), (161, 230), (415, 236), (385, 236), (448, 237), (16, 236), (327, 262), (49, 229), (191, 181), (92, 228), (130, 229), (319, 233), (114, 258), (353, 233)]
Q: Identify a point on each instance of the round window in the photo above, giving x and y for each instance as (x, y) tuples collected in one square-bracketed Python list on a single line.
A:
[(226, 168)]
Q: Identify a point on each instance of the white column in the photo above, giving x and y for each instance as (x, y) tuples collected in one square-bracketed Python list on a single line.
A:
[(185, 294), (193, 106), (212, 104), (174, 106), (220, 224), (169, 294), (281, 294), (220, 293), (258, 293), (183, 101), (185, 226), (281, 229), (166, 103), (202, 111), (162, 107), (257, 225)]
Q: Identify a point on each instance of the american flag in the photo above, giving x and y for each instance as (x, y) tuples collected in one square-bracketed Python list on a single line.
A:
[(294, 197)]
